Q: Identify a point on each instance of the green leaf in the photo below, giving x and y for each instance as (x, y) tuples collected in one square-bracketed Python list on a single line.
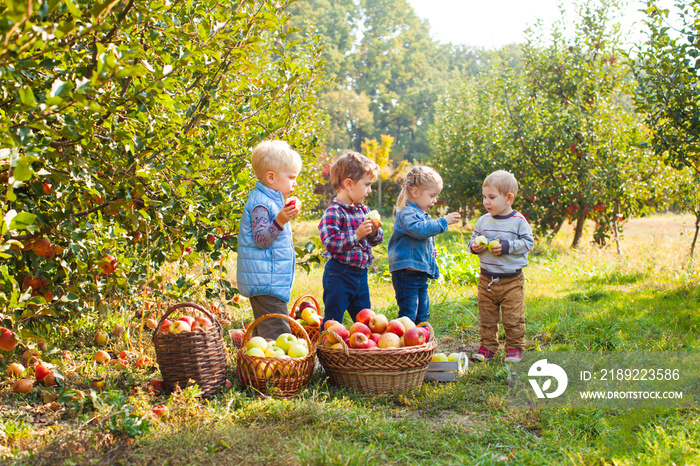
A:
[(21, 221), (26, 96), (73, 9)]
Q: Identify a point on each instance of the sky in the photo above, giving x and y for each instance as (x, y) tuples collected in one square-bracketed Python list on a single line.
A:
[(495, 23)]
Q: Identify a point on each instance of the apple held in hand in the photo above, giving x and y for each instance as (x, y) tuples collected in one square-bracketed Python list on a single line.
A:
[(481, 240), (364, 316), (293, 201), (374, 217), (493, 243)]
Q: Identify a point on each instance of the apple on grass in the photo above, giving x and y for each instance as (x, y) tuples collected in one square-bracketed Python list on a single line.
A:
[(15, 369), (160, 410), (40, 372), (364, 316), (22, 386), (157, 385), (378, 323), (102, 356), (101, 338)]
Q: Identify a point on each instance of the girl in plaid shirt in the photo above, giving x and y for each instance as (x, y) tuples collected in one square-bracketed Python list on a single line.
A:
[(348, 237)]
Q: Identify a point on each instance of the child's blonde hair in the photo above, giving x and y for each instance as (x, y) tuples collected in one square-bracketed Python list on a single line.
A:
[(274, 156), (420, 177), (352, 165), (503, 181)]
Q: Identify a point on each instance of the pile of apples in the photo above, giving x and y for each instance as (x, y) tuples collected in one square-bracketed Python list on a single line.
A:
[(307, 315), (42, 372), (375, 331), (185, 324), (286, 346)]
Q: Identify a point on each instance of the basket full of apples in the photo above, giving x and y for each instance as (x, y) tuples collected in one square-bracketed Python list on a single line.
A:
[(376, 355), (191, 348), (280, 367), (306, 312)]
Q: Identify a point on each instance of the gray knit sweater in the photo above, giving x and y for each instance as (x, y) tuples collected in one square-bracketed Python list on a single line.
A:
[(516, 241)]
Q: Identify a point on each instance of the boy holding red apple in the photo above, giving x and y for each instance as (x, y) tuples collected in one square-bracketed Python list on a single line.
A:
[(348, 236), (266, 257)]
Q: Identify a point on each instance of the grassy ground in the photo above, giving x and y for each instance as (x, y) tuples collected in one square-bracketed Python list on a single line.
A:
[(588, 299)]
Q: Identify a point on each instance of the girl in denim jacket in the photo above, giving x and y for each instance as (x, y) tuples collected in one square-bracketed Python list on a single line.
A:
[(412, 244)]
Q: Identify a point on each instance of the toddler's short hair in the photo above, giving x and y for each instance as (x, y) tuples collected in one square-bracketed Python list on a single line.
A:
[(352, 165), (274, 156), (503, 181)]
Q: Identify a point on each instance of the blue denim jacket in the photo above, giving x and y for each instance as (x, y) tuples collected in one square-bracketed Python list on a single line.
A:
[(412, 244)]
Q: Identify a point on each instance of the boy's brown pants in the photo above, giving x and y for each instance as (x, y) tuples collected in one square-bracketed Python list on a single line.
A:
[(269, 328), (505, 299)]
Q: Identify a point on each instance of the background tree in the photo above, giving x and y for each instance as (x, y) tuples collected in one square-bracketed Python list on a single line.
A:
[(666, 69), (117, 121), (379, 152)]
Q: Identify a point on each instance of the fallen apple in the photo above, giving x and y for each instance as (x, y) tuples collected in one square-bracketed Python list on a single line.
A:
[(101, 338), (50, 380), (102, 356), (40, 372), (15, 369), (160, 410), (22, 386), (157, 385)]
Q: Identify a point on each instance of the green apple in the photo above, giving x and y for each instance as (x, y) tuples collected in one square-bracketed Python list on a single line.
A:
[(274, 352), (298, 351), (453, 357), (493, 243), (440, 357), (481, 240), (257, 342), (285, 341), (255, 351)]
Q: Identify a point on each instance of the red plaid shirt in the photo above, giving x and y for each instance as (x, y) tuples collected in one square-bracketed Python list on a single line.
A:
[(337, 228)]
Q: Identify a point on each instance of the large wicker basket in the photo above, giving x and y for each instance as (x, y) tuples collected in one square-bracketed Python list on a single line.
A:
[(281, 377), (198, 356), (313, 332), (377, 371)]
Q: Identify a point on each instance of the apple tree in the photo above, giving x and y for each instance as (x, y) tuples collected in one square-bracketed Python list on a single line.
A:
[(125, 131)]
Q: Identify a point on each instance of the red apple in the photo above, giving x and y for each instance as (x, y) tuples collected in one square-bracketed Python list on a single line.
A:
[(108, 264), (378, 323), (160, 410), (375, 337), (293, 201), (157, 385), (165, 326), (424, 326), (211, 239), (389, 340), (46, 187), (329, 323), (40, 372), (407, 322), (371, 344), (305, 304), (201, 323), (179, 326), (188, 319), (340, 330), (396, 327), (8, 339), (414, 337), (364, 316), (143, 361), (42, 247), (359, 340), (360, 327)]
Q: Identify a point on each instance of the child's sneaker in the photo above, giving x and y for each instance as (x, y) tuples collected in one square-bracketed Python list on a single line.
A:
[(514, 355), (482, 355)]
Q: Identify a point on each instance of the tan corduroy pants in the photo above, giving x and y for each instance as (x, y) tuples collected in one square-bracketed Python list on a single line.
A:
[(502, 299), (269, 328)]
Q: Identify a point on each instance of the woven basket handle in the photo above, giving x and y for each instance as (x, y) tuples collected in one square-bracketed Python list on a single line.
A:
[(249, 331), (346, 348), (297, 303), (175, 307), (432, 332)]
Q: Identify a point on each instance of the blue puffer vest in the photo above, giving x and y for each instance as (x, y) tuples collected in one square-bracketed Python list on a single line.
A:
[(267, 271)]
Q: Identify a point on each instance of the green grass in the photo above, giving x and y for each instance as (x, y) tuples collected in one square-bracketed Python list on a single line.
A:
[(584, 300)]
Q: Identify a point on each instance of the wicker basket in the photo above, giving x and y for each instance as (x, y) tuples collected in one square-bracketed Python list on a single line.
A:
[(282, 377), (199, 356), (377, 371), (313, 332)]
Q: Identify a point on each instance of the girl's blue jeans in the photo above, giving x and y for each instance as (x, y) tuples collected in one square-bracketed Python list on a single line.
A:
[(411, 288), (344, 288)]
